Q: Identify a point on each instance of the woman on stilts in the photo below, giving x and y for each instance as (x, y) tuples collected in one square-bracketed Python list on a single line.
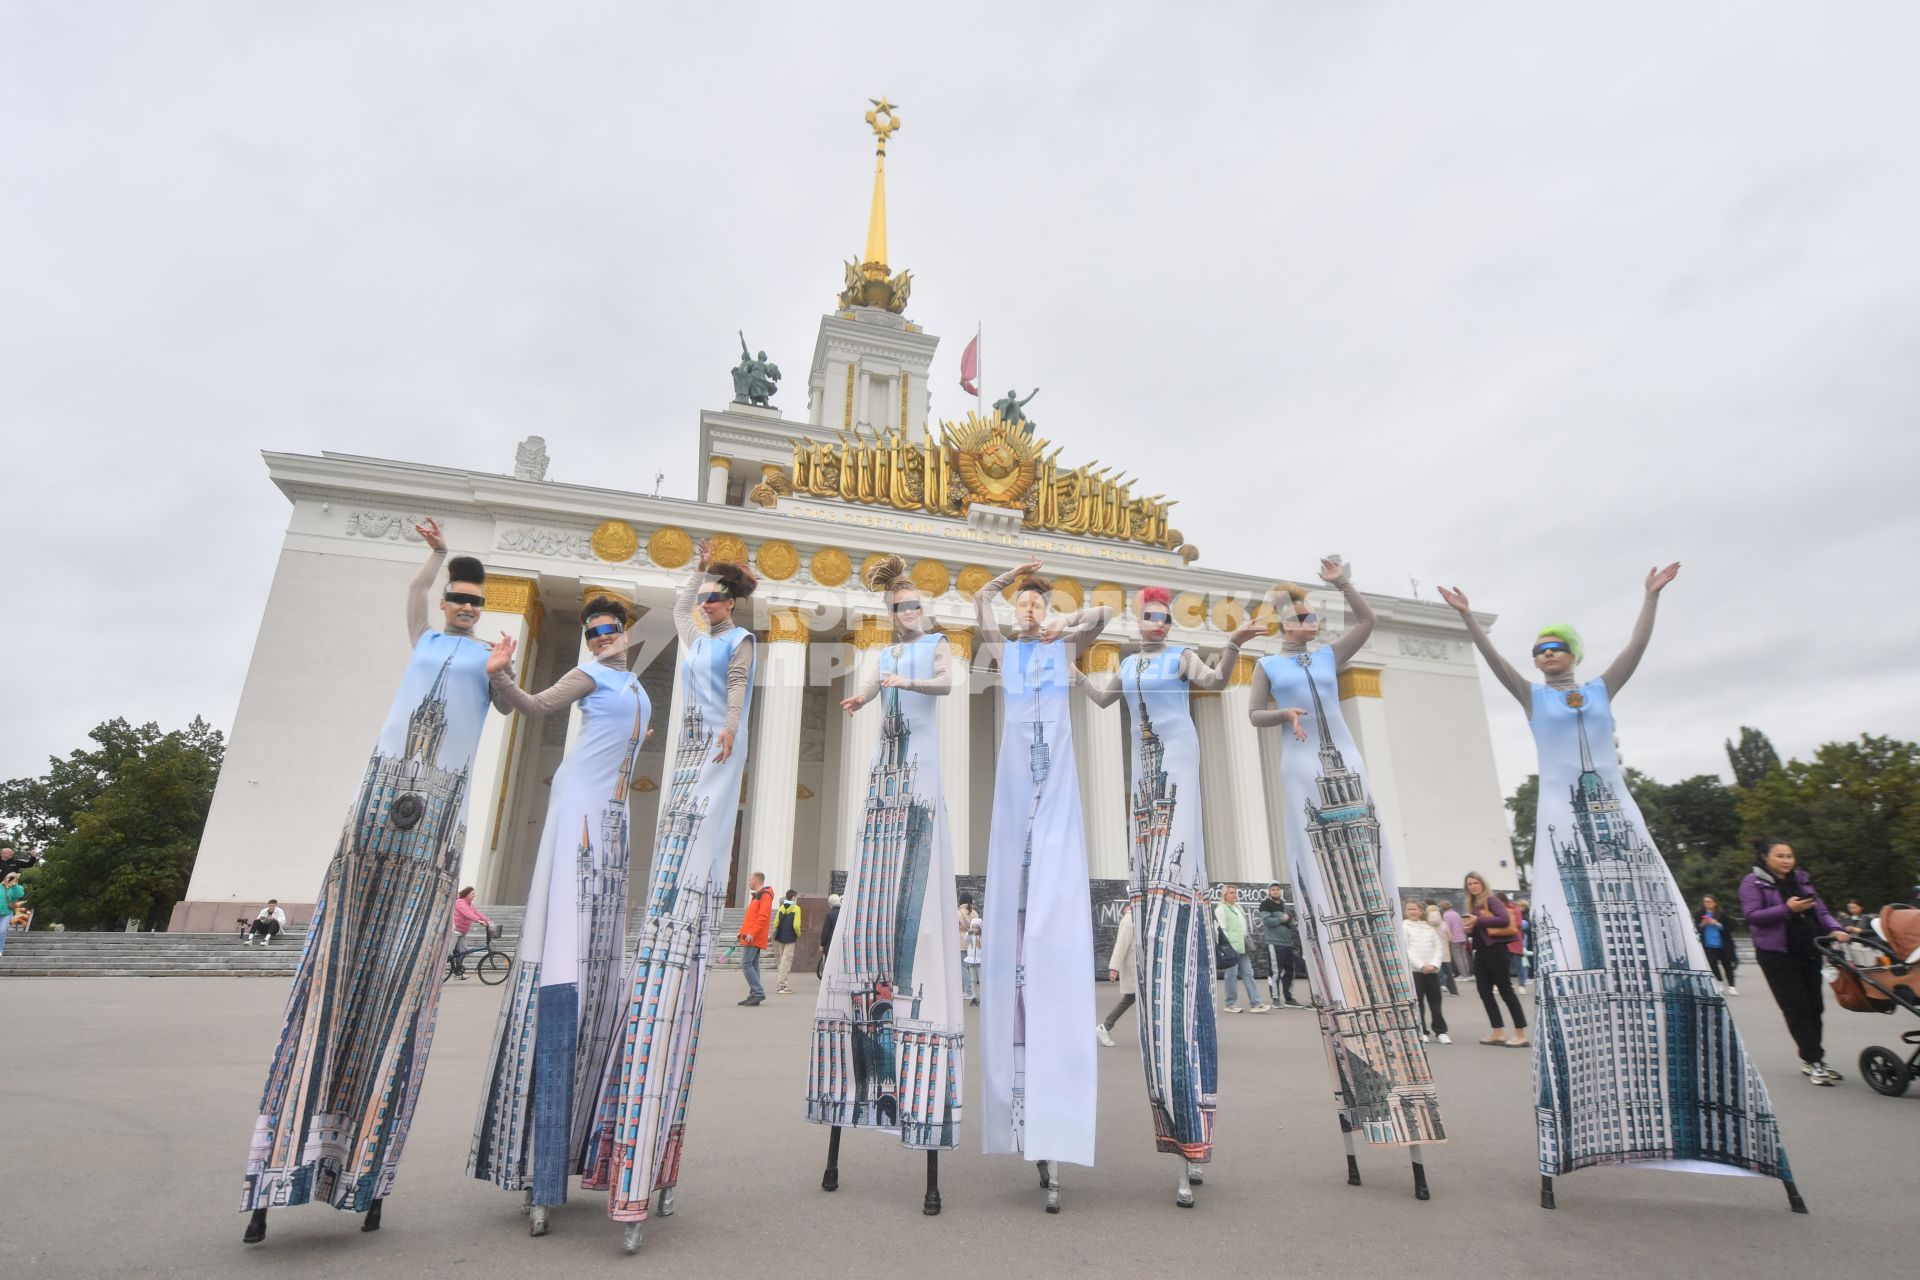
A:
[(888, 1027), (563, 999), (639, 1129), (1167, 880), (1636, 1058), (1038, 1060), (1344, 879), (353, 1045)]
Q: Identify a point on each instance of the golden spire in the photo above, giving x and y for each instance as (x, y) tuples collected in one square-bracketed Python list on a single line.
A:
[(868, 281)]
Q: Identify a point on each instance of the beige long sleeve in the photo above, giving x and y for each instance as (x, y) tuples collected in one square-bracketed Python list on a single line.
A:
[(1623, 666), (417, 593), (1364, 619), (938, 685), (1509, 677)]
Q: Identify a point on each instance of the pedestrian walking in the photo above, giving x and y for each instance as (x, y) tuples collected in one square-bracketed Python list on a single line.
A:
[(786, 940), (1231, 923), (1277, 928), (1426, 949), (1716, 938), (1786, 917), (1490, 927), (1120, 969), (752, 938), (968, 921), (1459, 954), (828, 924), (1448, 973)]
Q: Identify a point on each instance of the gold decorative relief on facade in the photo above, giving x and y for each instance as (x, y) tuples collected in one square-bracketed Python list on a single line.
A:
[(511, 595), (777, 560), (730, 547), (831, 567), (787, 626), (960, 640), (1110, 594), (972, 578), (932, 577), (1103, 658), (1189, 609), (1243, 668), (670, 547), (871, 632), (1227, 613), (1068, 594), (614, 541), (1360, 682)]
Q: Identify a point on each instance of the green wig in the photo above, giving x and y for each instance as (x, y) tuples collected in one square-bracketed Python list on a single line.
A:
[(1561, 631)]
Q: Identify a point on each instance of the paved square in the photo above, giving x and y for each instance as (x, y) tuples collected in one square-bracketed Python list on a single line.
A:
[(129, 1102)]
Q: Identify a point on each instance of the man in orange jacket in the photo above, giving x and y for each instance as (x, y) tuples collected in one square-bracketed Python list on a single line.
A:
[(753, 936)]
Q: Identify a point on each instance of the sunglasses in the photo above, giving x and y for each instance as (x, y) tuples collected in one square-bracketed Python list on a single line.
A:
[(1551, 646), (713, 597), (465, 597), (604, 629), (906, 606), (1305, 619), (1156, 616)]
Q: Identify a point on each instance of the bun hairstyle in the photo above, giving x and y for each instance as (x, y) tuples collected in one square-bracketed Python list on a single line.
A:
[(885, 574), (1286, 591), (1155, 595), (466, 569), (735, 579), (604, 607), (1034, 582)]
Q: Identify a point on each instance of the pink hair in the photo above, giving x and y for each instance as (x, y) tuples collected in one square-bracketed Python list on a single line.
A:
[(1155, 595)]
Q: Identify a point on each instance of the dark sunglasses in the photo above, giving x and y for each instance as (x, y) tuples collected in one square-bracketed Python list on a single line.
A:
[(1305, 619), (1156, 616), (713, 597), (604, 629), (1551, 646), (463, 597), (906, 606)]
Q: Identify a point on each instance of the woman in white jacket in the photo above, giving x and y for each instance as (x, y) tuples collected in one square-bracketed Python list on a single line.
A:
[(1425, 950), (1120, 970)]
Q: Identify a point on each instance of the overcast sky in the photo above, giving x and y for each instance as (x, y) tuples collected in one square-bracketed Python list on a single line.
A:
[(1524, 297)]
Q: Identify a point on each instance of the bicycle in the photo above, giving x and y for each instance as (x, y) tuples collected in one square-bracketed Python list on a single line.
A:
[(489, 962)]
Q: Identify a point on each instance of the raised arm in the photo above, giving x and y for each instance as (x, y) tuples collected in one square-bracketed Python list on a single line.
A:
[(739, 680), (1201, 676), (685, 624), (1102, 688), (422, 584), (983, 609), (563, 693), (1085, 626), (1363, 617), (1623, 666), (1509, 677)]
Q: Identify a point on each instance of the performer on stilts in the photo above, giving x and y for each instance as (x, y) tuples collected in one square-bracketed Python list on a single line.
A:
[(1636, 1059), (564, 995), (1167, 879), (1038, 1067), (889, 1025), (353, 1045), (639, 1129), (1349, 896)]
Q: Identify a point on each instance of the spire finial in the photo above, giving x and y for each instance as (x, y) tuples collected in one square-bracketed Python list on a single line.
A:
[(869, 283)]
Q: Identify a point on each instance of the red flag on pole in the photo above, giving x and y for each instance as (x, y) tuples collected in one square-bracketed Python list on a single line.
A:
[(970, 367)]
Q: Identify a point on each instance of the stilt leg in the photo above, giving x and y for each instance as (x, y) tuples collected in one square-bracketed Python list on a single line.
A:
[(931, 1205), (1041, 1165), (526, 1206), (831, 1180), (257, 1227), (630, 1238), (1053, 1185), (1353, 1161), (373, 1217), (536, 1220), (1793, 1198), (1546, 1191), (666, 1202), (1196, 1173), (1420, 1191), (1184, 1195)]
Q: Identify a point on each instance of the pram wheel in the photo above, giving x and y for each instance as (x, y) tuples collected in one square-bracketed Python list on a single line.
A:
[(1884, 1072)]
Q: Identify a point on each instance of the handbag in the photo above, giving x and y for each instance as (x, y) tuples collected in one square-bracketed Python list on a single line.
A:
[(1224, 956), (1512, 929)]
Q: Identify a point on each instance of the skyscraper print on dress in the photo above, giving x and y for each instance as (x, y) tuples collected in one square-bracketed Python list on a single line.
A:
[(887, 1031), (1637, 1059), (1344, 876), (1179, 1045), (557, 1020), (353, 1047)]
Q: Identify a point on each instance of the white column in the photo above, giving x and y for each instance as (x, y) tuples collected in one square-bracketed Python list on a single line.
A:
[(859, 739), (719, 470), (1366, 714), (1216, 792), (1246, 781), (775, 747), (513, 606), (1097, 743), (955, 719)]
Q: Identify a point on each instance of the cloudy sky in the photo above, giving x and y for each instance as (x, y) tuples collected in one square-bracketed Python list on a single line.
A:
[(1522, 297)]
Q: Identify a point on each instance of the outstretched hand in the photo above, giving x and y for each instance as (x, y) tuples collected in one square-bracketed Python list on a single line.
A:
[(1333, 571), (1023, 570), (429, 531), (502, 656), (851, 705), (1658, 577), (1296, 715), (1247, 630), (703, 554), (725, 739), (1457, 598)]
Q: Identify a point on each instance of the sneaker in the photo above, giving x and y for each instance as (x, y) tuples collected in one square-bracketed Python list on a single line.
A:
[(784, 991), (1100, 1034), (1260, 1008), (1820, 1073), (1445, 1038), (1730, 991), (1295, 1004), (1233, 1008), (1425, 1038)]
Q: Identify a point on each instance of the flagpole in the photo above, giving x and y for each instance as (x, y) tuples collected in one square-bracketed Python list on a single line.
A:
[(978, 376)]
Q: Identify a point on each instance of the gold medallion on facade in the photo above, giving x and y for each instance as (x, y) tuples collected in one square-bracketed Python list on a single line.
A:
[(1110, 594), (960, 639), (614, 541), (972, 578), (831, 567), (777, 560), (1068, 594), (1189, 609), (1228, 614), (730, 548), (670, 547), (932, 577)]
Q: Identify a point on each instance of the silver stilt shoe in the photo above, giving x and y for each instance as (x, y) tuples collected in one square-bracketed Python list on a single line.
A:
[(666, 1202), (536, 1219), (630, 1238), (1053, 1187), (1184, 1196), (1196, 1173)]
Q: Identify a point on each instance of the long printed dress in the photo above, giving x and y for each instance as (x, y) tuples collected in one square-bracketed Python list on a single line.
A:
[(1636, 1058), (563, 1000), (1038, 1067), (1349, 901), (888, 1028), (640, 1125), (1168, 889), (359, 1021)]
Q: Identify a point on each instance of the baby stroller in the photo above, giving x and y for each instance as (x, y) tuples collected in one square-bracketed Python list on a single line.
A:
[(1880, 973)]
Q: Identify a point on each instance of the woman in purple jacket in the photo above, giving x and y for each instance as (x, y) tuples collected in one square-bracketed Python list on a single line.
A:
[(1785, 916)]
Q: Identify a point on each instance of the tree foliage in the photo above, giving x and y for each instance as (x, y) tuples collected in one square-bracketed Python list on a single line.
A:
[(118, 823), (1852, 813), (1753, 759), (1524, 805)]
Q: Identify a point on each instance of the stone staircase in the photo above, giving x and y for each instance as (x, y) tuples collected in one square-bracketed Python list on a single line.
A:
[(46, 954)]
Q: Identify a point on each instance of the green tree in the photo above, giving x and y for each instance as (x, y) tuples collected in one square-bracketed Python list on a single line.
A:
[(1695, 823), (1524, 805), (119, 823), (1753, 759), (1852, 813)]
